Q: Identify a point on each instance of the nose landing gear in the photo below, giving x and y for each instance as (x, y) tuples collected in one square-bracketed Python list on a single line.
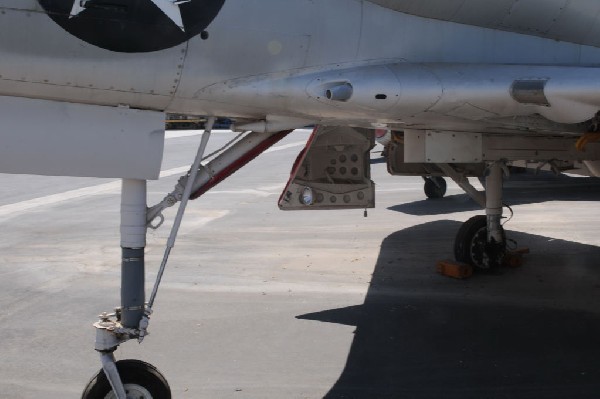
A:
[(134, 379), (141, 380)]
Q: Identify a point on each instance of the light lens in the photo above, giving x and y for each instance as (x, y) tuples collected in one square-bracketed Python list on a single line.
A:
[(307, 197)]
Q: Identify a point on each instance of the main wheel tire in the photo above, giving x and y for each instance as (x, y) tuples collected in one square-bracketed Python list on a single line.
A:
[(471, 246), (140, 379), (435, 187)]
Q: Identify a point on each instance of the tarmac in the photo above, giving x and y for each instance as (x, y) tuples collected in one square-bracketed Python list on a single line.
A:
[(261, 303)]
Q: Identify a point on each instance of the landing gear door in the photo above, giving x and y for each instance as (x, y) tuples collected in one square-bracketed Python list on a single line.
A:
[(333, 171)]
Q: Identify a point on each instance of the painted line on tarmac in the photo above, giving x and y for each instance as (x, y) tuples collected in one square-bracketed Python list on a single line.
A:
[(106, 188), (33, 204), (175, 134)]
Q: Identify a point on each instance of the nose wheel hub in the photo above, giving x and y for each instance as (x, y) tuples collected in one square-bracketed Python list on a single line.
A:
[(133, 391)]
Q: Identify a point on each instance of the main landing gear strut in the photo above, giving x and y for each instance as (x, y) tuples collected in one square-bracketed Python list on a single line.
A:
[(126, 379), (481, 240)]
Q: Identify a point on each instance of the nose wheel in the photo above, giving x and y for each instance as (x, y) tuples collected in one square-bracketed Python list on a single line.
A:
[(141, 380)]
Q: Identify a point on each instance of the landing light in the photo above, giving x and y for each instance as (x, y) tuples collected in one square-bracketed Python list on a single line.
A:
[(307, 197)]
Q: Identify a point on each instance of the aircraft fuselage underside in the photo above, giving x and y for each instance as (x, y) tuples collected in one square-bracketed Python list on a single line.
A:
[(422, 80)]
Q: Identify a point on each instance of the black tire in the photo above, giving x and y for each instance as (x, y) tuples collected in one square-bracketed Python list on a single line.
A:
[(471, 246), (435, 187), (134, 374)]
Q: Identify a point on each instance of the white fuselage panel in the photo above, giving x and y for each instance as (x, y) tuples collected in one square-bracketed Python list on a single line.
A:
[(62, 139)]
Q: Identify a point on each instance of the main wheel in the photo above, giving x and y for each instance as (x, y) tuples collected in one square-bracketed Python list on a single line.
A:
[(435, 187), (471, 245), (140, 379)]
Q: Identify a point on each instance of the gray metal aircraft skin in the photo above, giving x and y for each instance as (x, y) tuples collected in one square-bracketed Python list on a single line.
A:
[(411, 64), (564, 20)]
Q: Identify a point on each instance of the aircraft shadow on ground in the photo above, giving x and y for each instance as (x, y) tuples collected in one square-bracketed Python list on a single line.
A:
[(518, 190), (421, 335)]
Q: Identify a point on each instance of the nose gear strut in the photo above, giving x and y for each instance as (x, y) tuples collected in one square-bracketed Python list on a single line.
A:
[(132, 378)]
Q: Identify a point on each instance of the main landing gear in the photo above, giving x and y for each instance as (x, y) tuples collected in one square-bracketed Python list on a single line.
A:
[(481, 240), (127, 379), (471, 244), (435, 186)]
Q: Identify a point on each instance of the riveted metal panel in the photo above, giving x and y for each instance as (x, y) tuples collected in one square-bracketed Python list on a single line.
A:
[(565, 20), (71, 63), (414, 146), (262, 51), (472, 12), (531, 16), (577, 20), (453, 147), (440, 9)]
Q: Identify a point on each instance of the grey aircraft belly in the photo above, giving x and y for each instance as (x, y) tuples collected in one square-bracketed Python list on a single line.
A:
[(466, 88)]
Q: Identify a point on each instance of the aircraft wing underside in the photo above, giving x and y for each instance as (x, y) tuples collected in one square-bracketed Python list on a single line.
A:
[(571, 21)]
